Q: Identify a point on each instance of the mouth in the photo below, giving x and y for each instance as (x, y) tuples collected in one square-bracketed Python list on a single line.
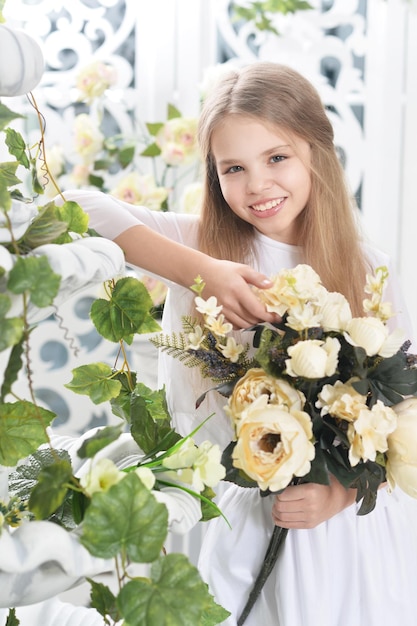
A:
[(268, 208)]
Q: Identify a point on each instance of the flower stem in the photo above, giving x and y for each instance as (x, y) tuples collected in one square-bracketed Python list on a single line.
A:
[(277, 539)]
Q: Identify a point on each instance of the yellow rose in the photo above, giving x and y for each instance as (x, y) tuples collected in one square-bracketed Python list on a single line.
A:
[(402, 448), (313, 358), (274, 445), (256, 383)]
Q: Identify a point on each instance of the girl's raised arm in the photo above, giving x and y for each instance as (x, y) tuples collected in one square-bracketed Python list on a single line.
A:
[(145, 246)]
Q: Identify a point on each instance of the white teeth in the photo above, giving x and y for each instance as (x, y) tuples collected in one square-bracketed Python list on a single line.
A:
[(267, 205)]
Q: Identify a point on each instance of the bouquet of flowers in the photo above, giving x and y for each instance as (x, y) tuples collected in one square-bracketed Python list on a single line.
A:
[(319, 393)]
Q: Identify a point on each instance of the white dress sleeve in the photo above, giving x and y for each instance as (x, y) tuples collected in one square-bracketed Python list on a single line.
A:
[(110, 217)]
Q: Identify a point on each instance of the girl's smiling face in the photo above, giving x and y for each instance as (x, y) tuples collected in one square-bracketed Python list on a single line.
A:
[(264, 178)]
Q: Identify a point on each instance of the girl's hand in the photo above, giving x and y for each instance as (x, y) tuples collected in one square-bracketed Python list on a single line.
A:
[(231, 283), (308, 505)]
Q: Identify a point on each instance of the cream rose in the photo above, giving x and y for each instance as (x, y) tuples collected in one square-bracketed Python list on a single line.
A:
[(274, 445), (372, 335), (177, 140), (402, 449), (292, 289), (368, 434), (256, 383), (335, 313), (341, 400), (313, 358), (140, 189)]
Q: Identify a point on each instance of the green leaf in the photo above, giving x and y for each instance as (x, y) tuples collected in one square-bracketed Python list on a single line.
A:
[(154, 128), (125, 519), (22, 430), (8, 176), (100, 440), (125, 156), (11, 618), (75, 217), (24, 478), (174, 596), (11, 332), (125, 313), (173, 112), (96, 181), (45, 228), (35, 276), (96, 381), (153, 150), (103, 600), (121, 404), (51, 488), (6, 114), (233, 474), (17, 146), (150, 421), (14, 364)]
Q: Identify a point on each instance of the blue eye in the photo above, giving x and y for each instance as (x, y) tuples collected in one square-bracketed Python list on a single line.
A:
[(234, 168), (277, 158)]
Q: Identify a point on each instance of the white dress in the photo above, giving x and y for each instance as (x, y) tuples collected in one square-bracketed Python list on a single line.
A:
[(349, 571)]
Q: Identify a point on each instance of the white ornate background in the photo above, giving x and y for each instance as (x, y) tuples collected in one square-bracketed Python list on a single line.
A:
[(362, 56)]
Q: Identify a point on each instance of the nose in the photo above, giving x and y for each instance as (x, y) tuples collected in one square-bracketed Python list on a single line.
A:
[(258, 180)]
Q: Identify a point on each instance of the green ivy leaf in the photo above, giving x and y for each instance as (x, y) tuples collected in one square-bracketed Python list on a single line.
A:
[(121, 404), (14, 364), (17, 146), (35, 276), (22, 430), (75, 217), (11, 332), (46, 228), (125, 519), (174, 595), (6, 114), (51, 488), (103, 600), (96, 381), (8, 176), (150, 421), (100, 440), (125, 313)]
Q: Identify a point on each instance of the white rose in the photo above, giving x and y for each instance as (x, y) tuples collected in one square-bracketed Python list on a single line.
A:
[(313, 358), (274, 445), (402, 448)]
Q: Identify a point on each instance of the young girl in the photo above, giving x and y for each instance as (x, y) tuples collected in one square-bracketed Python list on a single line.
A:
[(275, 196)]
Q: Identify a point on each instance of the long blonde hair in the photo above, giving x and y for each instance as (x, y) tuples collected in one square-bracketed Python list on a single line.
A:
[(328, 234)]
